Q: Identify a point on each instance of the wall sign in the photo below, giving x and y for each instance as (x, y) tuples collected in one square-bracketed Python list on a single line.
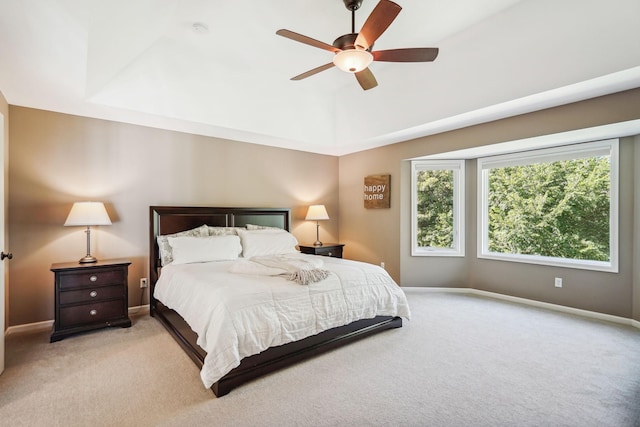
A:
[(377, 191)]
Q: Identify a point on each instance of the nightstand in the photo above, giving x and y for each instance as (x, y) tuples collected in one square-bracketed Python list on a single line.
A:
[(90, 296), (327, 249)]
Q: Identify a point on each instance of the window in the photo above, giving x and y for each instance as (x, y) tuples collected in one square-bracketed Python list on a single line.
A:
[(556, 206), (437, 223)]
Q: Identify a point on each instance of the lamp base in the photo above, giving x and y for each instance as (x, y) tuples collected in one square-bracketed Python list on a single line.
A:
[(317, 242), (88, 259)]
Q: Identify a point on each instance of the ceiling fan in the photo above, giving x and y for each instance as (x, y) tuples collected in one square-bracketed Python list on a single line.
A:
[(353, 52)]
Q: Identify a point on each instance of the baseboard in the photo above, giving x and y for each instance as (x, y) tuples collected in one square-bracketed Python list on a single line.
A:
[(144, 309), (556, 307), (139, 310), (29, 327), (48, 324)]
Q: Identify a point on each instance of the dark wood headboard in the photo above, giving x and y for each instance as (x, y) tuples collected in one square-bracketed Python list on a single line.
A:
[(172, 219)]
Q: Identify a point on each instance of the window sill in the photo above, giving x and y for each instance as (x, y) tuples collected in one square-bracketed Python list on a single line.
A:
[(552, 262)]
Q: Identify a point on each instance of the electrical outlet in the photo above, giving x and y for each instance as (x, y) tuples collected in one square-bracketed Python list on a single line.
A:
[(382, 264), (143, 283), (558, 282)]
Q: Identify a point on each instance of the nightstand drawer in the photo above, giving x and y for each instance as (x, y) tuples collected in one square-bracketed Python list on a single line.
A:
[(92, 294), (330, 251), (96, 277), (89, 313)]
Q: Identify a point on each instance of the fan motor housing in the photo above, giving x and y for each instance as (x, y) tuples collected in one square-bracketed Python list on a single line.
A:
[(347, 41), (352, 4)]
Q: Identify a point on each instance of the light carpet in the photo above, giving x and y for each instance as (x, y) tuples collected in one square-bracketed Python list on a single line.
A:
[(462, 360)]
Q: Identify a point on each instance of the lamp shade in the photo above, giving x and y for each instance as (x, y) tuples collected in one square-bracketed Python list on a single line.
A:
[(88, 213), (316, 213)]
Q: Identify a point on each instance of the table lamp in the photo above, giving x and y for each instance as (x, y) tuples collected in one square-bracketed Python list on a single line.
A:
[(317, 213), (88, 214)]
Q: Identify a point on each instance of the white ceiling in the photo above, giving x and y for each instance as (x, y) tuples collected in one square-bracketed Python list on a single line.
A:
[(140, 61)]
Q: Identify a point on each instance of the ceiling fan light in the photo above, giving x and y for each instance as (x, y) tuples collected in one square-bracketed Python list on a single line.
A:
[(352, 60)]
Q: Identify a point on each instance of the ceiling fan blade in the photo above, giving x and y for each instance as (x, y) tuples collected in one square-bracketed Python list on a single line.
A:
[(366, 79), (381, 17), (418, 54), (307, 40), (312, 72)]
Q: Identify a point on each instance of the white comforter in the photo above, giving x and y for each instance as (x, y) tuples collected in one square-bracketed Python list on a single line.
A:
[(238, 315)]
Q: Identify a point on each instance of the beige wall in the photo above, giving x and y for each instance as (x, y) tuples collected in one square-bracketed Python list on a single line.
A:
[(383, 235), (57, 159)]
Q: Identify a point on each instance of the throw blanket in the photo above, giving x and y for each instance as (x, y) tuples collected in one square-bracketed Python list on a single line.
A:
[(300, 270)]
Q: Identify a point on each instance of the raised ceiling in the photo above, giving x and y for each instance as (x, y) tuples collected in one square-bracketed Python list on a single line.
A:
[(216, 68)]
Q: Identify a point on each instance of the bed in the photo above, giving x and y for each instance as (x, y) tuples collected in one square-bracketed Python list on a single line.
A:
[(169, 220)]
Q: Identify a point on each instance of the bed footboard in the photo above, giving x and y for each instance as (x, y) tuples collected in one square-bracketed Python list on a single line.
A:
[(276, 358)]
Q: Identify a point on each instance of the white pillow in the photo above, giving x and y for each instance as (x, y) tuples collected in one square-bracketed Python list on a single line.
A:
[(187, 249), (267, 242), (166, 254)]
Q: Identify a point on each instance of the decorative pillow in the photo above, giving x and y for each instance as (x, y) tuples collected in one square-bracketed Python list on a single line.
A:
[(267, 242), (222, 231), (166, 255), (189, 249), (261, 227)]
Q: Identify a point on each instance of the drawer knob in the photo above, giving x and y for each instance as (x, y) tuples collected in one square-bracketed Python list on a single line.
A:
[(93, 294), (93, 278), (93, 312), (329, 253)]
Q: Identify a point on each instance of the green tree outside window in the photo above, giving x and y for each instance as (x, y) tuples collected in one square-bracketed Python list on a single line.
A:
[(434, 194), (557, 209)]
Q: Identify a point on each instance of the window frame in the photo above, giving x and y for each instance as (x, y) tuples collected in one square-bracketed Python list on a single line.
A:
[(564, 152), (458, 168)]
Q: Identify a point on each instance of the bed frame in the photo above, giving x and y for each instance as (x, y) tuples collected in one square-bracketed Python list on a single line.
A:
[(172, 219)]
